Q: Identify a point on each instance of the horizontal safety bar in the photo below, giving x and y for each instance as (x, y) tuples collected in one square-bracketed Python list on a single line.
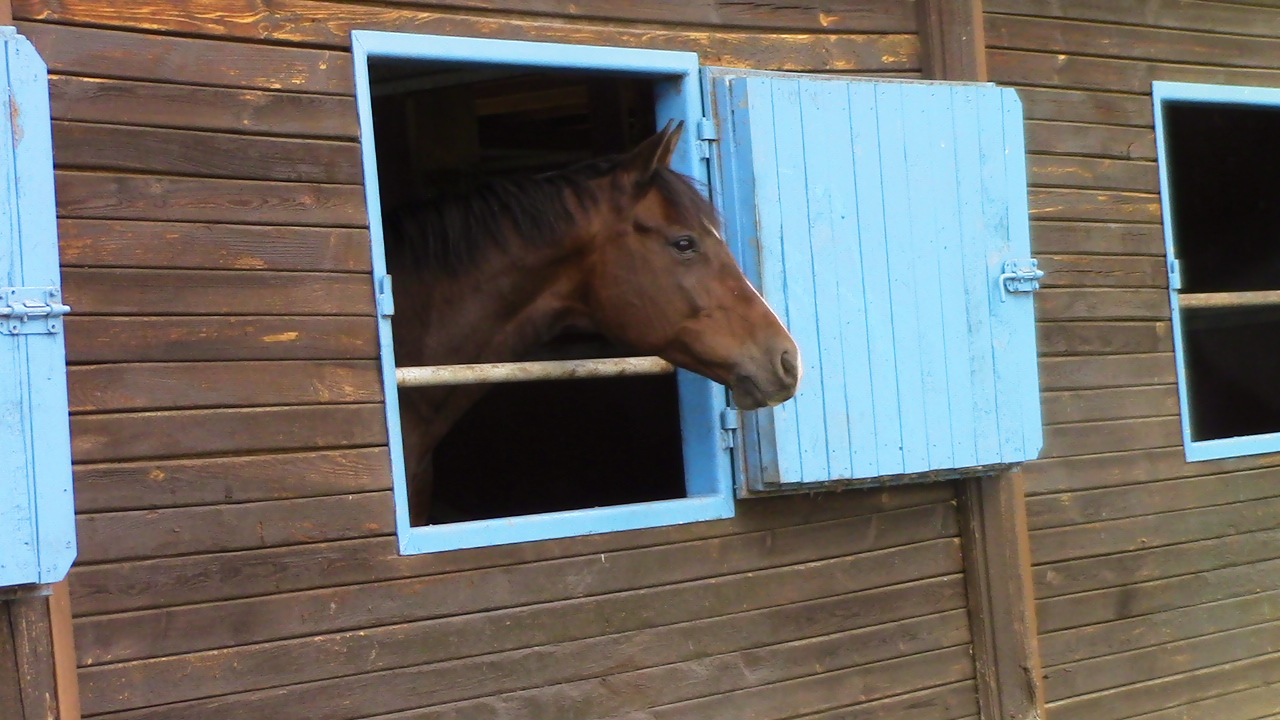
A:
[(486, 373), (1192, 301)]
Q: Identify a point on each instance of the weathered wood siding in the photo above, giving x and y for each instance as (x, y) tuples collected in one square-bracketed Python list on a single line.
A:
[(237, 556), (1157, 587)]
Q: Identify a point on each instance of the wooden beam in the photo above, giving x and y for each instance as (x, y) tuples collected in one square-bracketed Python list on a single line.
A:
[(6, 12), (952, 44), (993, 516), (997, 564), (1255, 298), (64, 652)]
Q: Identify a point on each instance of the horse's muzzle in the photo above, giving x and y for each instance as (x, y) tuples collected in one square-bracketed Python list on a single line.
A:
[(773, 383)]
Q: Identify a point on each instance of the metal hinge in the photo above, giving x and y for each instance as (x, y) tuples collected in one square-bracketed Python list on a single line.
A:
[(31, 310), (706, 135), (730, 422), (386, 301), (1020, 276), (1175, 275)]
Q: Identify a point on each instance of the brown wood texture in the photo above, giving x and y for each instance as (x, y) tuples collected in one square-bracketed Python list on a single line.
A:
[(952, 42), (132, 244), (64, 652), (113, 638), (10, 678), (188, 107), (181, 433), (165, 339), (1153, 575), (30, 628), (190, 580), (328, 24)]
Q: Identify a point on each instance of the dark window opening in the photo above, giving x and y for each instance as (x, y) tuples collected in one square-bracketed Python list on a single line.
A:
[(1223, 164), (529, 448)]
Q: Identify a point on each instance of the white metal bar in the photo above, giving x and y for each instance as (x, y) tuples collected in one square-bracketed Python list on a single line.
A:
[(485, 373), (1191, 301)]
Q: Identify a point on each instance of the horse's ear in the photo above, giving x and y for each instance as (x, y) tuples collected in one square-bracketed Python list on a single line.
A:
[(640, 164)]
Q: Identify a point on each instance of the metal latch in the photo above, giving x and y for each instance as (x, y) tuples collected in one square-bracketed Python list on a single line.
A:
[(31, 310), (1020, 276)]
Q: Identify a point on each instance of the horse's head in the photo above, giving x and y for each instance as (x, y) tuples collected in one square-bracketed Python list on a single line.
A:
[(662, 280)]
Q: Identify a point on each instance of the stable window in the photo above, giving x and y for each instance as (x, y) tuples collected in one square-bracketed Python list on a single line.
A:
[(884, 221), (1219, 148)]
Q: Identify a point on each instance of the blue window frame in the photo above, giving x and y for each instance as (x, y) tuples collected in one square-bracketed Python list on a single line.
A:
[(1217, 149), (708, 475)]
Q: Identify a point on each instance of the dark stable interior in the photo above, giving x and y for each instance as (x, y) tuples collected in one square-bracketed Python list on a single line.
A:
[(539, 446), (1224, 174)]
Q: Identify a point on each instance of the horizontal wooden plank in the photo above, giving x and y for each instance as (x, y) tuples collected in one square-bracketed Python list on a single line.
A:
[(403, 681), (1103, 338), (1111, 436), (1136, 533), (101, 53), (1077, 72), (1116, 469), (827, 690), (329, 24), (850, 549), (1138, 666), (1098, 141), (1150, 498), (1089, 205), (1086, 107), (1102, 302), (1102, 271), (1156, 629), (1255, 703), (143, 339), (116, 536), (1104, 371), (829, 15), (955, 701), (202, 579), (160, 151), (189, 107), (148, 197), (1087, 38), (1115, 571), (1173, 691), (1137, 599), (125, 243), (99, 291), (1092, 172), (1086, 238), (173, 386), (1109, 404), (1219, 17), (116, 486), (180, 433)]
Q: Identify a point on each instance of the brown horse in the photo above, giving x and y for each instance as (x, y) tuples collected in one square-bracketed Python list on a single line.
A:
[(624, 247)]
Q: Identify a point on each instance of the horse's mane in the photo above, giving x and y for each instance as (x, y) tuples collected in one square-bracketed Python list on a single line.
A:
[(451, 231)]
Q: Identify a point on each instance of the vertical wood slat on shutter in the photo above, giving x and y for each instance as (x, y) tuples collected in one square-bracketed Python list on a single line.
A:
[(883, 214), (37, 524)]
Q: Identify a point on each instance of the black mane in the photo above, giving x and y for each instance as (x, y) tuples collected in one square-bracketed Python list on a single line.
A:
[(450, 232)]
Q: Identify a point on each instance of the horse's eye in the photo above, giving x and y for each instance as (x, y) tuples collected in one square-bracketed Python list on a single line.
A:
[(684, 244)]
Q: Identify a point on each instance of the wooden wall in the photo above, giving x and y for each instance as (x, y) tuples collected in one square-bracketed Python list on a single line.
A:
[(1157, 587), (236, 532)]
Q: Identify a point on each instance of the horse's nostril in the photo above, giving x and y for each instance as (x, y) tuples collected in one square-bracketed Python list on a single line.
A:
[(787, 364)]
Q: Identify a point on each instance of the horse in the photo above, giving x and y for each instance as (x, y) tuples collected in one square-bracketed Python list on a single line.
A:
[(622, 246)]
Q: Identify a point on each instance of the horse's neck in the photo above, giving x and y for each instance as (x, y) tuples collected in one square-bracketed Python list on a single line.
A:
[(498, 312)]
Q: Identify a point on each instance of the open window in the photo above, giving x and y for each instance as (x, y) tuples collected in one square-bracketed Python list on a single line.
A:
[(885, 221), (1219, 149)]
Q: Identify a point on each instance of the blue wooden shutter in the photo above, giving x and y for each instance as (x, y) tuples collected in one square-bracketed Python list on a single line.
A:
[(37, 516), (878, 218)]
